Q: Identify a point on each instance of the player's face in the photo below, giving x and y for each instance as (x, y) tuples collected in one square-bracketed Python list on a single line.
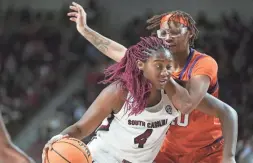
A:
[(157, 68), (176, 34)]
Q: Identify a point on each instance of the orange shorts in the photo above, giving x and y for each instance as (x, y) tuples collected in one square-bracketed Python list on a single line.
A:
[(209, 154)]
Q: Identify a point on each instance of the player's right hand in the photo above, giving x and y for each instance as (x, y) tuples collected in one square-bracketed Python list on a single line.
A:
[(78, 15), (49, 144)]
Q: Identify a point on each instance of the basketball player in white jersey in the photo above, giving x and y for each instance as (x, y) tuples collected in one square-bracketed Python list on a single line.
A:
[(140, 111)]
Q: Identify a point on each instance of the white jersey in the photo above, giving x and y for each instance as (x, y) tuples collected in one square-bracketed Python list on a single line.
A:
[(135, 138)]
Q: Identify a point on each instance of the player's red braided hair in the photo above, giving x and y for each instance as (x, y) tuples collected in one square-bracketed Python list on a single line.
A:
[(127, 74)]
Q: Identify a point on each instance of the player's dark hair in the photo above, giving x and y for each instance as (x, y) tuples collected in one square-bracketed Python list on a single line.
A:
[(127, 74), (154, 23)]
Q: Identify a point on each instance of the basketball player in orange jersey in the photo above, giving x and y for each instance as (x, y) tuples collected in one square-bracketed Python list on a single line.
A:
[(195, 136), (203, 140), (9, 153)]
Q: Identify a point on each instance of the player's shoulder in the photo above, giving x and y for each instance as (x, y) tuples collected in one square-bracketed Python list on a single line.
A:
[(114, 95), (114, 90), (203, 58)]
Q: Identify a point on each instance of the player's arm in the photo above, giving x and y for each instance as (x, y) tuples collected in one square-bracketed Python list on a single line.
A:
[(108, 101), (8, 149), (187, 98), (228, 118), (105, 45), (229, 122)]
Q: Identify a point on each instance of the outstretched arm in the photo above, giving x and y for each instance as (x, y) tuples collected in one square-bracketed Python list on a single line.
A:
[(105, 45), (108, 47), (109, 101), (229, 122), (8, 151), (228, 118)]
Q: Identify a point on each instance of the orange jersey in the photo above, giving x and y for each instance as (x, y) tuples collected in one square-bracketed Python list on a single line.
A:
[(192, 131)]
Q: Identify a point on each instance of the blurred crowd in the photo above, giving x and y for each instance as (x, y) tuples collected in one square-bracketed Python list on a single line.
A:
[(229, 41), (35, 62), (40, 50)]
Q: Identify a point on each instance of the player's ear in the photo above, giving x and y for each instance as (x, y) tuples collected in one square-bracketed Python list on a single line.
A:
[(140, 65)]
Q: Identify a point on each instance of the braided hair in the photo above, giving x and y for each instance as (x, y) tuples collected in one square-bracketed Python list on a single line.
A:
[(153, 23), (127, 74)]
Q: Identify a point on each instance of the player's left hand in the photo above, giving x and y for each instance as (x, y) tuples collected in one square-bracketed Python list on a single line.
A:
[(228, 160)]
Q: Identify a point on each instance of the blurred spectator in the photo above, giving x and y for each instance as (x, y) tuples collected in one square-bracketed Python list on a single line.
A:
[(36, 60)]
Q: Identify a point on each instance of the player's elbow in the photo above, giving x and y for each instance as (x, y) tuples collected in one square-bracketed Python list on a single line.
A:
[(122, 51), (233, 114), (229, 112), (120, 54)]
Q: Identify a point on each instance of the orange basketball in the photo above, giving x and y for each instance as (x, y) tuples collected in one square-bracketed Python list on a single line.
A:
[(69, 150)]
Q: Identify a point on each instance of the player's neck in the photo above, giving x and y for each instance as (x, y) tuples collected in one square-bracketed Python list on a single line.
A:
[(180, 59), (154, 97)]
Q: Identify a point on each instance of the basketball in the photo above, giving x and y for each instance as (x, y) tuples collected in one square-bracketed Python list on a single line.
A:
[(69, 150)]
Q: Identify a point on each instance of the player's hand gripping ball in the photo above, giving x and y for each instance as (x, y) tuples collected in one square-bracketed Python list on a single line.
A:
[(66, 150)]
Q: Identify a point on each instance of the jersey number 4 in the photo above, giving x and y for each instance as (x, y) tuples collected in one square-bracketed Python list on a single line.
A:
[(142, 139)]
